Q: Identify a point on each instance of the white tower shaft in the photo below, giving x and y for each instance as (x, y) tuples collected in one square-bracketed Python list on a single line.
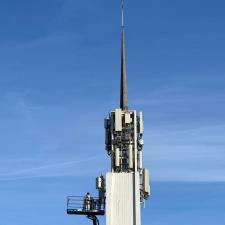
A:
[(123, 199)]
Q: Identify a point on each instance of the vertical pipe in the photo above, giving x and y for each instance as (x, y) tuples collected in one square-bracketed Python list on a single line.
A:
[(135, 168), (112, 160), (135, 141), (117, 157), (140, 160), (130, 157)]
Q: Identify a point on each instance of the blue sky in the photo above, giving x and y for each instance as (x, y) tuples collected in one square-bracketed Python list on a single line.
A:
[(59, 78)]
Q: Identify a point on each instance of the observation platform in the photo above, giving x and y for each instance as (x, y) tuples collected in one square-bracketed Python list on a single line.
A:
[(78, 205)]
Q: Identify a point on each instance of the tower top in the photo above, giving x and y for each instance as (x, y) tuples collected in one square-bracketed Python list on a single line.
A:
[(122, 7), (123, 82)]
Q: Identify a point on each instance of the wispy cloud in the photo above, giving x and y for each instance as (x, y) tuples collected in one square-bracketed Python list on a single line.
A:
[(172, 130), (191, 154), (51, 170), (152, 101)]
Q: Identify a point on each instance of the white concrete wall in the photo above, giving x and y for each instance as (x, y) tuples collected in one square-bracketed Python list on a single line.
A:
[(122, 199)]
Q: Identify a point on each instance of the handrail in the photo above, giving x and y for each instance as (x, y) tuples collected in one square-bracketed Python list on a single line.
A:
[(81, 204)]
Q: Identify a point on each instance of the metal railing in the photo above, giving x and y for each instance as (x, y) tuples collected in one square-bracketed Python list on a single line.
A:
[(82, 205)]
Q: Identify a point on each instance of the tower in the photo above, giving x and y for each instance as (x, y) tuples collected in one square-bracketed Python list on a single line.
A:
[(126, 186)]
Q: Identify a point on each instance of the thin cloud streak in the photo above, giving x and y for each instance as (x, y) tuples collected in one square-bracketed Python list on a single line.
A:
[(195, 154), (187, 131), (160, 101), (40, 169), (77, 173)]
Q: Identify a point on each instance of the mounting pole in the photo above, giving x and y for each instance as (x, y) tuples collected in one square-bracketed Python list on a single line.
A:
[(123, 82)]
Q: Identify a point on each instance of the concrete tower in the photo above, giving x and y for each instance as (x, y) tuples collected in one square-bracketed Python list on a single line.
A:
[(127, 185)]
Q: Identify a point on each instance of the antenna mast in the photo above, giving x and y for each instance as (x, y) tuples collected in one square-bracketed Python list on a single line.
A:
[(122, 6), (123, 84)]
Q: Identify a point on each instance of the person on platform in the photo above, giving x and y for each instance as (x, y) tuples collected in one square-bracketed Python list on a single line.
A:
[(87, 201)]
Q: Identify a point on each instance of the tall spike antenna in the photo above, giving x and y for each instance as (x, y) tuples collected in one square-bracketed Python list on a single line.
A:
[(123, 85), (122, 5)]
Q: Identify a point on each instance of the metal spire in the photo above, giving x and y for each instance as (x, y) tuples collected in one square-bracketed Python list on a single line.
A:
[(123, 84)]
